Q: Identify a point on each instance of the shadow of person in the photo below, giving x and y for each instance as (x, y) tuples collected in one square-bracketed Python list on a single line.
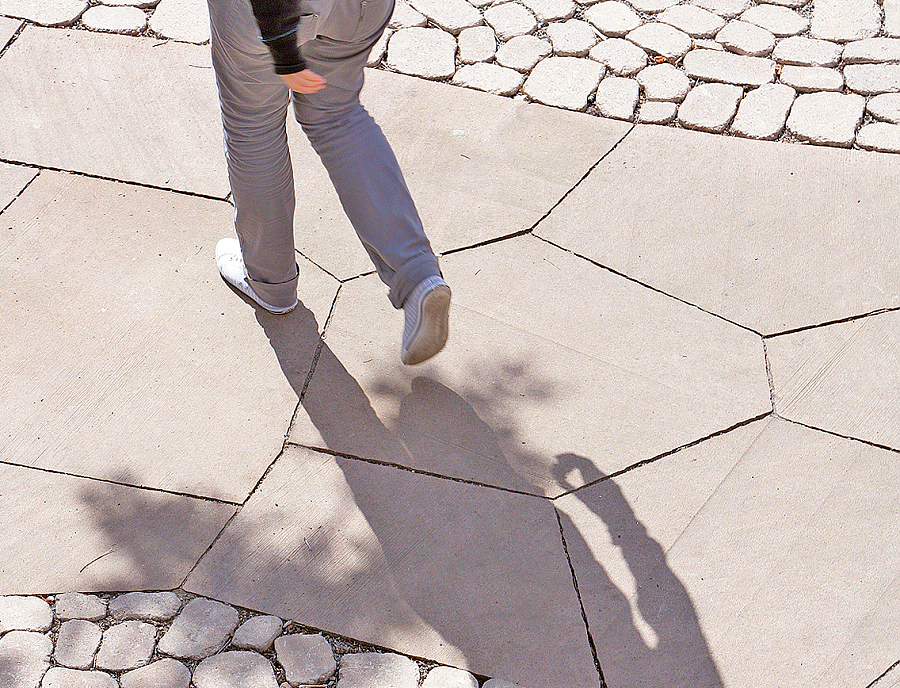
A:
[(653, 638)]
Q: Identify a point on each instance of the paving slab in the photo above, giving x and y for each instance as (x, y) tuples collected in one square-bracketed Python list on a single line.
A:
[(841, 378), (475, 163), (8, 28), (465, 575), (46, 12), (724, 564), (676, 211), (121, 335), (13, 178), (497, 412), (71, 533), (132, 109)]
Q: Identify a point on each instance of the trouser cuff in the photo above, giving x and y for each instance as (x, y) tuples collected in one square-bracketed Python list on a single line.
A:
[(408, 278), (280, 295)]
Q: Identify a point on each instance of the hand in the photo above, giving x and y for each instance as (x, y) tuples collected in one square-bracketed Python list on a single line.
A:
[(306, 81)]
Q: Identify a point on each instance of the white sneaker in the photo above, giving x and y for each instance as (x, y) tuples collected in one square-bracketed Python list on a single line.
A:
[(231, 267), (427, 325)]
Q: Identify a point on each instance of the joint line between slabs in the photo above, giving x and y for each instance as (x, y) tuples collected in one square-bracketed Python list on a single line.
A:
[(652, 288), (666, 454), (22, 190), (587, 628), (770, 376), (141, 185), (416, 471), (13, 38), (885, 674), (202, 498), (838, 321), (850, 438)]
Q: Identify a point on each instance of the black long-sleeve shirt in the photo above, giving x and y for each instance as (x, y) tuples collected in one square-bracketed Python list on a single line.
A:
[(278, 23)]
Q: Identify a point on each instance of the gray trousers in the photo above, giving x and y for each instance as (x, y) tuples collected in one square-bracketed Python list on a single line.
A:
[(352, 147)]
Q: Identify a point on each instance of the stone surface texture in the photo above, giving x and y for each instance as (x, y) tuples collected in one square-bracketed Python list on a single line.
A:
[(127, 645), (763, 111), (145, 606), (235, 669), (812, 79), (826, 118), (164, 673), (657, 112), (200, 630), (565, 82), (619, 56), (77, 644), (710, 107), (74, 605), (661, 39), (257, 633), (490, 78), (728, 68), (845, 20), (375, 669), (425, 52), (746, 39), (24, 613), (449, 677), (46, 12), (59, 677), (617, 97), (781, 21), (306, 659), (181, 20), (24, 658), (664, 82), (115, 19)]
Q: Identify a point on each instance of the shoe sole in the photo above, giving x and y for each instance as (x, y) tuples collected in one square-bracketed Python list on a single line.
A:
[(434, 327)]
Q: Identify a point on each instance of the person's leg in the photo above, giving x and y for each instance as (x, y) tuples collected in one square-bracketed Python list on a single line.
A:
[(355, 152), (254, 110)]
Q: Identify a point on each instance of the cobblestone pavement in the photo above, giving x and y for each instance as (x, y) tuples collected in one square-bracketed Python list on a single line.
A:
[(819, 71), (169, 640)]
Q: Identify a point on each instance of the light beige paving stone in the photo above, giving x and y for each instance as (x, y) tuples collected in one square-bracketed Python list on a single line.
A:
[(366, 669), (510, 19), (522, 53), (872, 50), (379, 50), (490, 78), (423, 566), (59, 677), (693, 20), (763, 111), (427, 53), (181, 20), (621, 57), (8, 28), (145, 606), (565, 82), (727, 9), (820, 271), (306, 658), (710, 608), (728, 68), (75, 605), (450, 15), (153, 118), (746, 39), (449, 677), (235, 669), (652, 6), (98, 535), (661, 39), (845, 20), (807, 52), (138, 323), (664, 82), (841, 377), (164, 673), (617, 97), (885, 107), (77, 644), (24, 613), (826, 118), (572, 38), (405, 17), (482, 156), (506, 440), (779, 20), (551, 10), (657, 112), (24, 658), (613, 18), (257, 633), (707, 44), (870, 79), (115, 19), (45, 12), (809, 79), (500, 683), (127, 645), (200, 630), (891, 24), (710, 107), (477, 44)]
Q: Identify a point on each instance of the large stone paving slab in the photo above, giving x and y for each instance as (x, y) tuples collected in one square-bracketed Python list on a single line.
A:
[(13, 178), (61, 532), (548, 354), (770, 236), (132, 109), (461, 574), (722, 566), (842, 378), (478, 166), (124, 356)]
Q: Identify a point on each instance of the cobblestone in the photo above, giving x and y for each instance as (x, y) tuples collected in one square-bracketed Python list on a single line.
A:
[(60, 677), (872, 50), (477, 44), (779, 20), (145, 606), (405, 17), (450, 15), (661, 39), (522, 53), (727, 9), (763, 112), (891, 9), (621, 57), (710, 107), (871, 79), (807, 52), (115, 19), (24, 657), (306, 659), (657, 112), (182, 20), (617, 97), (449, 677), (729, 68), (74, 605), (428, 53), (572, 38), (746, 39), (490, 78), (653, 6), (368, 669), (166, 673), (200, 630), (127, 645), (694, 21), (885, 107), (235, 669), (77, 644), (613, 18), (880, 136), (809, 79), (19, 613), (664, 82), (565, 82), (509, 20), (845, 20), (59, 13), (826, 118), (551, 10), (257, 633)]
